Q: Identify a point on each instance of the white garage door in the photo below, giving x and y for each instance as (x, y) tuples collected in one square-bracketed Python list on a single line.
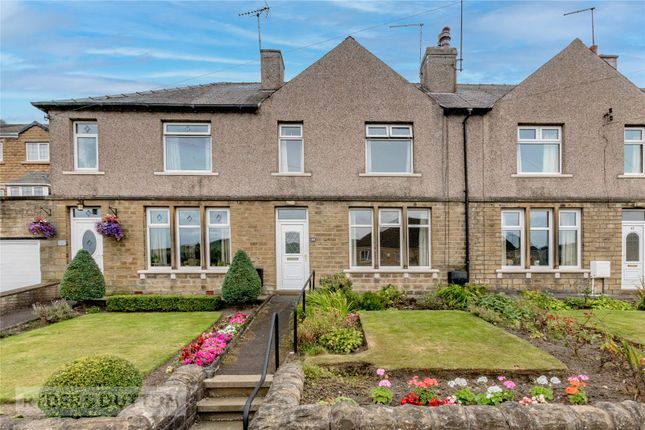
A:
[(19, 264)]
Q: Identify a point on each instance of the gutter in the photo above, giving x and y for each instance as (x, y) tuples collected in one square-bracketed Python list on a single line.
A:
[(464, 125)]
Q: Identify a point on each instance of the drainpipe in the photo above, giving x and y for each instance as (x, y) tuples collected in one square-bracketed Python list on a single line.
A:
[(466, 197)]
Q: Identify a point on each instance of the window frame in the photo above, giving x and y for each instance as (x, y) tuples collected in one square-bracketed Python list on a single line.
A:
[(39, 159), (539, 140), (301, 138), (208, 226), (521, 227), (578, 229), (178, 228), (149, 226), (1, 151), (550, 230), (418, 226), (96, 144), (390, 138), (371, 226), (10, 193), (640, 143), (166, 133), (390, 225)]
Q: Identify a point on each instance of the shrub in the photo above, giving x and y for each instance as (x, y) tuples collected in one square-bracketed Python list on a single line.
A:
[(488, 315), (91, 387), (313, 371), (162, 303), (242, 282), (371, 301), (431, 301), (336, 282), (314, 326), (326, 300), (58, 310), (342, 340), (460, 297), (83, 279), (93, 310), (391, 296), (502, 304), (381, 395), (544, 301), (605, 302), (577, 303), (641, 304)]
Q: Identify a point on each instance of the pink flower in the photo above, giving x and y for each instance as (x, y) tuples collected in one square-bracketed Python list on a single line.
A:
[(509, 384), (385, 383), (501, 378), (526, 401), (583, 377), (380, 372), (573, 379)]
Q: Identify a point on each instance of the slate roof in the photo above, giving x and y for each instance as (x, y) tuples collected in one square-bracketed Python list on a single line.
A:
[(13, 130), (32, 178), (474, 96), (214, 96)]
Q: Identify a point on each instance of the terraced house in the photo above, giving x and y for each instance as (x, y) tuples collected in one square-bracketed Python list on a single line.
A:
[(348, 167)]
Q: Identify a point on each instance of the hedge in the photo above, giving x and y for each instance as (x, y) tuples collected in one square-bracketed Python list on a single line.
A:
[(162, 303), (82, 279)]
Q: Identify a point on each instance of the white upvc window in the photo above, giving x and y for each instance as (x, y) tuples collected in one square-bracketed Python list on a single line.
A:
[(27, 191), (187, 147), (189, 234), (541, 238), (539, 150), (513, 238), (361, 233), (389, 149), (569, 239), (419, 238), (390, 238), (1, 150), (158, 238), (86, 145), (218, 237), (37, 152), (634, 150), (292, 152)]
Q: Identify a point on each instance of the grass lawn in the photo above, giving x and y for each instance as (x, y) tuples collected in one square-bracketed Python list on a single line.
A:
[(146, 339), (627, 324), (441, 340)]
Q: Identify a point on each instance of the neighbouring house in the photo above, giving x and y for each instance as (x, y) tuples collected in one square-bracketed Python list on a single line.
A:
[(348, 167)]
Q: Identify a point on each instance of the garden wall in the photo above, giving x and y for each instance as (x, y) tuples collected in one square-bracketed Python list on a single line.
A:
[(24, 297), (282, 409)]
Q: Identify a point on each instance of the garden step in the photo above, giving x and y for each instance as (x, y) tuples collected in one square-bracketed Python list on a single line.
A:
[(218, 425), (235, 385), (224, 408)]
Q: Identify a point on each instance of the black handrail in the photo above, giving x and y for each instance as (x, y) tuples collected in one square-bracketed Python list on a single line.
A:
[(274, 335), (311, 283)]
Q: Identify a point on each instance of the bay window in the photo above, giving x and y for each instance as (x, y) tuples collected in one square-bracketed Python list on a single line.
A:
[(159, 237), (388, 149), (538, 150), (360, 240), (187, 147), (633, 152), (390, 237), (219, 237), (189, 237)]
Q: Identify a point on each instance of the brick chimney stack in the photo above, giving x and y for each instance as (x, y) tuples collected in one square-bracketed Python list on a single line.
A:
[(272, 69), (439, 66)]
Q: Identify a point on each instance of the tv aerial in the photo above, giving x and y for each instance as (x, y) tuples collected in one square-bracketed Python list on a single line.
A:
[(420, 27), (593, 30), (258, 13)]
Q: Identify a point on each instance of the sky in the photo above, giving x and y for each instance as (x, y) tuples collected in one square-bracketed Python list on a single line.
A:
[(78, 48)]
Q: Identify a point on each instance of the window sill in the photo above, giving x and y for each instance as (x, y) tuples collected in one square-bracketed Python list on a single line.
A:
[(35, 162), (82, 172), (186, 173), (404, 175), (631, 176), (173, 272), (572, 270), (392, 270), (537, 175), (290, 174)]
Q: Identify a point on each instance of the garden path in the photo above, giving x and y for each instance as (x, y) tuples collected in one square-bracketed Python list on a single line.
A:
[(17, 317)]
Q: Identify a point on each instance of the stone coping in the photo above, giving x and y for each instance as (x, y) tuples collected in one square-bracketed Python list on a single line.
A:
[(282, 410), (28, 288)]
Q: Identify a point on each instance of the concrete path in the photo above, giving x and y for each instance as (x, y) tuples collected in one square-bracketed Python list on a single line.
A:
[(15, 318)]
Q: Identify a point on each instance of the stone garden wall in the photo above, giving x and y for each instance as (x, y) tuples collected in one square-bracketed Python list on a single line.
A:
[(282, 410)]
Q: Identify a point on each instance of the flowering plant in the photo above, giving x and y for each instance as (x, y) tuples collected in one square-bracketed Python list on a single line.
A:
[(211, 345), (110, 226), (540, 391), (411, 399), (576, 391), (382, 395), (40, 226), (425, 389)]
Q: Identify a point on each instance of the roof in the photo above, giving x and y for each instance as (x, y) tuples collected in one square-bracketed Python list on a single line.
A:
[(32, 178), (471, 96), (214, 96), (13, 130)]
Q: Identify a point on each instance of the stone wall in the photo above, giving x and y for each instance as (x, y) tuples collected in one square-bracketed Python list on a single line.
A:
[(25, 297), (282, 410), (15, 164)]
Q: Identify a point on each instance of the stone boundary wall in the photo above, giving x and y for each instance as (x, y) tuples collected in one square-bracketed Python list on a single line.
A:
[(22, 298), (282, 410)]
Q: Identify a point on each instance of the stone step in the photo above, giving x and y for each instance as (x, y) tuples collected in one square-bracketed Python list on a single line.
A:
[(224, 408), (218, 425), (235, 385)]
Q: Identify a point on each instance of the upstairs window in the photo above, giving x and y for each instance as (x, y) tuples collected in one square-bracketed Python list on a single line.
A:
[(388, 149), (292, 155), (37, 152), (634, 143), (187, 147), (86, 145), (539, 149)]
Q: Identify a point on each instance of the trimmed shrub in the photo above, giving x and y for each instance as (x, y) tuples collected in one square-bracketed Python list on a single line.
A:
[(162, 303), (342, 340), (371, 301), (242, 283), (91, 387), (58, 310), (336, 282), (83, 279)]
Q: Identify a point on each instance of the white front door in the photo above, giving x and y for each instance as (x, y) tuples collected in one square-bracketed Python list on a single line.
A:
[(292, 248), (84, 235), (633, 255)]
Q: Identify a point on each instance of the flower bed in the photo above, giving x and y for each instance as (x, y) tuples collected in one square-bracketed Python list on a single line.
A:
[(210, 345)]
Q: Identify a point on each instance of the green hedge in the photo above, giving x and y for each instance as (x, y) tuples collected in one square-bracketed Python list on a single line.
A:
[(162, 303)]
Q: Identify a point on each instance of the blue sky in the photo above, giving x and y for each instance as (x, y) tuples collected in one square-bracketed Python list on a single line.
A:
[(66, 49)]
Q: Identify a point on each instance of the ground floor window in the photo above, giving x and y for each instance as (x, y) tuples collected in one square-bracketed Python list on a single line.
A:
[(360, 237), (27, 190), (219, 238), (159, 237)]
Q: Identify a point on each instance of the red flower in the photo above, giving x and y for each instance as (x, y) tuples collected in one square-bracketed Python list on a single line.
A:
[(411, 399), (435, 402)]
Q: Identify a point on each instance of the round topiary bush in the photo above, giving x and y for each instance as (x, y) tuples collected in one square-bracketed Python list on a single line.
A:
[(83, 279), (242, 282), (91, 387)]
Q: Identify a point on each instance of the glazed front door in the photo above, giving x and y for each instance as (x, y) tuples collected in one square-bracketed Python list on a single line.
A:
[(633, 270), (84, 235)]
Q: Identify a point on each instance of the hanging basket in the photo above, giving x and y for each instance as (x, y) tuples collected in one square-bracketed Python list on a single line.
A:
[(41, 227), (109, 226)]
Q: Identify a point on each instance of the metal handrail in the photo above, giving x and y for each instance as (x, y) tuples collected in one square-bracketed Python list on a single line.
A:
[(311, 283), (274, 335)]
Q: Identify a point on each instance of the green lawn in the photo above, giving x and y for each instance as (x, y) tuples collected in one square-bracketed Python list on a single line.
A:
[(441, 340), (146, 339), (627, 324)]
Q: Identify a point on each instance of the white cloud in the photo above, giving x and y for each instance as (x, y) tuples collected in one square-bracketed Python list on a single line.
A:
[(162, 55)]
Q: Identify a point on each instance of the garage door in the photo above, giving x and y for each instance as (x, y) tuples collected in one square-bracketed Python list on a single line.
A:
[(19, 264)]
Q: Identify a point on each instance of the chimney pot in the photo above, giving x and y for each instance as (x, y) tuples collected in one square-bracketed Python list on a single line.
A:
[(272, 69), (444, 38), (594, 49)]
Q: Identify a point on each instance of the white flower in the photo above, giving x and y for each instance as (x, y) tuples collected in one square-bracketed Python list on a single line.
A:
[(461, 382), (555, 380), (542, 380), (489, 395), (452, 384), (482, 380), (494, 389)]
